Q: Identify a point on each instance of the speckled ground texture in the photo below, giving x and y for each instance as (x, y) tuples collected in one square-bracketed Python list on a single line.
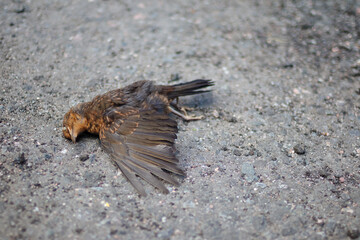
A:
[(276, 157)]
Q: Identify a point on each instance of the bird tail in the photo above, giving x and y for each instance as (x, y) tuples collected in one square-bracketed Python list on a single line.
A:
[(189, 88)]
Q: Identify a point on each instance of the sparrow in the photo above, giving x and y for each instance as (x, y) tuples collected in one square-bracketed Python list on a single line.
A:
[(135, 128)]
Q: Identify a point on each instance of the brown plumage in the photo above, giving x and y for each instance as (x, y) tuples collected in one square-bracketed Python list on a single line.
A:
[(134, 127)]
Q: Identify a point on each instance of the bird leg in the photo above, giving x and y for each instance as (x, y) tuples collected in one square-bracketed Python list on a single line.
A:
[(184, 116), (184, 109)]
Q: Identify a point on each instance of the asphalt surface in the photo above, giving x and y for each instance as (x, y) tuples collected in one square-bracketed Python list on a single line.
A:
[(276, 156)]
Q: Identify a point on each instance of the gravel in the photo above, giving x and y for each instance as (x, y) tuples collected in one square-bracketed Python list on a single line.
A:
[(275, 157)]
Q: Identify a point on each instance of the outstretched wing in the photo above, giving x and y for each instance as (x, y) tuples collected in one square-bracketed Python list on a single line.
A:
[(140, 143)]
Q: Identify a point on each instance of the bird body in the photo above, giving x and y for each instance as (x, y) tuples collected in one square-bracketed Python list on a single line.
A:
[(135, 128)]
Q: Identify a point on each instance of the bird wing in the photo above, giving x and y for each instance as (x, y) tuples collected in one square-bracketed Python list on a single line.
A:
[(141, 143)]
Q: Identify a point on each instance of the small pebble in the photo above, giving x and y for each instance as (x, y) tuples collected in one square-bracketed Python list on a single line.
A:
[(216, 114), (237, 152), (21, 10), (233, 120), (224, 148), (174, 77), (64, 151), (21, 160), (353, 232), (288, 65), (248, 170), (84, 157), (43, 150), (299, 149)]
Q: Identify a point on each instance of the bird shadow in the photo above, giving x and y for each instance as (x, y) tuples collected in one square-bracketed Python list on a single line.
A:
[(198, 101), (85, 137)]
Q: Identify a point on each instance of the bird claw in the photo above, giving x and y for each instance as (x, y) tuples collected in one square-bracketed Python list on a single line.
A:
[(185, 110), (184, 115), (193, 118)]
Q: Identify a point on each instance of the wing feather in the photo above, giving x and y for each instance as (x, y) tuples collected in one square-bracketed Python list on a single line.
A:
[(141, 144), (155, 170), (132, 178), (169, 166), (146, 175)]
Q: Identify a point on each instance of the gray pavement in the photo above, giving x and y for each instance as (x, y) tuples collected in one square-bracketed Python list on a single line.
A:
[(276, 157)]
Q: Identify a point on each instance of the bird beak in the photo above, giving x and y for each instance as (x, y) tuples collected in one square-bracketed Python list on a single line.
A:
[(73, 135), (73, 139)]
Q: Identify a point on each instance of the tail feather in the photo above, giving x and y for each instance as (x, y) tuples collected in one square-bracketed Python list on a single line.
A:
[(189, 88)]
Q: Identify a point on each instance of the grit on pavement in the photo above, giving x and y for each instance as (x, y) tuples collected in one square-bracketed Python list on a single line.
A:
[(277, 155)]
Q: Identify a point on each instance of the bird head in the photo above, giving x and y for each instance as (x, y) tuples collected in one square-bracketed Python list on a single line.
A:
[(74, 123)]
